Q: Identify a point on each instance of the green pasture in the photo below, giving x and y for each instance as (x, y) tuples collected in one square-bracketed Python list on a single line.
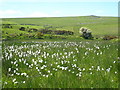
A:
[(64, 61), (99, 26)]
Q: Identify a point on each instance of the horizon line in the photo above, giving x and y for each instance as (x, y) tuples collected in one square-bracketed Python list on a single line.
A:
[(59, 16)]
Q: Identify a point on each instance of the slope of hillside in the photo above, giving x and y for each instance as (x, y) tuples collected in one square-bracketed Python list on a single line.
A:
[(99, 25)]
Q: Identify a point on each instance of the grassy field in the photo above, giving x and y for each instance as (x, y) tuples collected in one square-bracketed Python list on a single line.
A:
[(61, 63), (83, 64), (99, 26)]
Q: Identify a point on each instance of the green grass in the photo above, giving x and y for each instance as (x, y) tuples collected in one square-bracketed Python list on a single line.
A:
[(61, 63), (99, 26), (75, 56)]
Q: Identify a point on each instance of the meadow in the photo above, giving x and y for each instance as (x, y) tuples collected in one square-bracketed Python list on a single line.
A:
[(73, 62), (63, 64), (97, 24)]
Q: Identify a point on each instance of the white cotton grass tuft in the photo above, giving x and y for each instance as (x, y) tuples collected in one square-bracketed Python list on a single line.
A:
[(91, 73), (23, 81), (115, 72), (98, 68), (14, 80), (108, 70), (83, 69), (9, 69), (114, 61)]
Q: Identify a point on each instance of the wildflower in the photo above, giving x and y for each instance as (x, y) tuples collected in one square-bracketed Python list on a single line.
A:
[(18, 73), (27, 64), (33, 60), (101, 53), (69, 70), (12, 74), (97, 47), (12, 62), (16, 65), (75, 60), (14, 79), (41, 61), (83, 69), (79, 69), (65, 53), (114, 61), (9, 69), (48, 71), (23, 81), (115, 72), (98, 68), (14, 71), (108, 70), (15, 82), (73, 72), (6, 82), (86, 53), (31, 64), (23, 74), (56, 63), (90, 72), (74, 65), (97, 53), (19, 60), (27, 76), (51, 74), (37, 68), (55, 69), (92, 66), (78, 75), (110, 66), (90, 69), (46, 75), (42, 67), (102, 69)]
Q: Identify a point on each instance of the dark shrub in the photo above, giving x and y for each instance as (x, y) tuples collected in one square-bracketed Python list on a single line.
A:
[(109, 37), (39, 35), (6, 26), (22, 28), (32, 30)]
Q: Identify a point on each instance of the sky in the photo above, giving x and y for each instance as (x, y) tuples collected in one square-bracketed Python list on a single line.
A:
[(57, 8)]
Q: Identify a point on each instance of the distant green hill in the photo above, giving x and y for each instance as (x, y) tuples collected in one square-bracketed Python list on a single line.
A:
[(99, 25)]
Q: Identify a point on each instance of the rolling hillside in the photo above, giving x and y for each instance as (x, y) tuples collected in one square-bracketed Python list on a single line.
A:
[(99, 25)]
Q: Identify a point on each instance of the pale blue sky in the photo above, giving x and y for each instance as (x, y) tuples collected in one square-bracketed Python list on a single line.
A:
[(34, 8)]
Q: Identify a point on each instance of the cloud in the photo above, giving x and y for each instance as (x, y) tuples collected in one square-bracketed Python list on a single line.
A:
[(16, 13), (9, 13), (38, 14)]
